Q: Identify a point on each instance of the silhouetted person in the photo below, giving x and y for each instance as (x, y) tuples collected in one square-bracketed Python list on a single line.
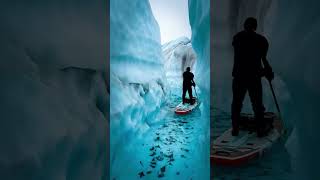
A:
[(187, 85), (250, 52)]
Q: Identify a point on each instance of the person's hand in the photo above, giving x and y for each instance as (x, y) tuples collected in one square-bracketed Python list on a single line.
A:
[(270, 76)]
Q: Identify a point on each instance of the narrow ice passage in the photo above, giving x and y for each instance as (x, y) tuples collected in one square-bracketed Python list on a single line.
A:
[(147, 139), (168, 147)]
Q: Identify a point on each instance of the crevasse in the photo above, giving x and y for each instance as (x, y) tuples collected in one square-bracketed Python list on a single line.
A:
[(140, 89), (54, 90)]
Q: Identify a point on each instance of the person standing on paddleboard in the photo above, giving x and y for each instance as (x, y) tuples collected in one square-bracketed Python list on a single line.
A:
[(250, 48), (187, 85)]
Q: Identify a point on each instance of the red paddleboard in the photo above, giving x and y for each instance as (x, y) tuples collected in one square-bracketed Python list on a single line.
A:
[(237, 150), (186, 107)]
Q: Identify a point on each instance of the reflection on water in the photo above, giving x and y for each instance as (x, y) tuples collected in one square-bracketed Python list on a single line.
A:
[(274, 164)]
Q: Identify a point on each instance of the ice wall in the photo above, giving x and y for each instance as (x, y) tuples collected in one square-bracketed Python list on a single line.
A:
[(137, 77), (199, 17), (53, 95), (295, 35), (291, 28)]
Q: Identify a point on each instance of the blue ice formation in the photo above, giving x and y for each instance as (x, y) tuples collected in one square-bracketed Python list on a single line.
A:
[(137, 79), (54, 98), (140, 70), (295, 32), (199, 17)]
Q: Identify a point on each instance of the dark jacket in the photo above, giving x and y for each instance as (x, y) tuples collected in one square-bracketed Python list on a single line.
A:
[(249, 50), (188, 79)]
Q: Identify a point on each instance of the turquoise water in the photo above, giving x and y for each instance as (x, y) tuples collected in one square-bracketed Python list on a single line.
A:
[(274, 164), (169, 149)]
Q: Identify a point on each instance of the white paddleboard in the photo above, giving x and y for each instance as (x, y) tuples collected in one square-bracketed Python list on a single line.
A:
[(186, 107), (237, 150)]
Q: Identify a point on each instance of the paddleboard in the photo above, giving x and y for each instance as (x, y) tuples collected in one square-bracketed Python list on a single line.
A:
[(186, 107), (238, 150)]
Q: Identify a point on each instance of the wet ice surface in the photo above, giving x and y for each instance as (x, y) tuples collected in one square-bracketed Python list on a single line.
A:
[(274, 164), (168, 150)]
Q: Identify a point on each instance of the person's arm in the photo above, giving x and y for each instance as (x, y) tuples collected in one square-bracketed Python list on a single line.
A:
[(268, 73), (193, 83), (266, 64)]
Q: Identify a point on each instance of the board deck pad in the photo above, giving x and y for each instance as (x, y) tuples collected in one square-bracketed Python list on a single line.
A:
[(186, 107), (237, 150)]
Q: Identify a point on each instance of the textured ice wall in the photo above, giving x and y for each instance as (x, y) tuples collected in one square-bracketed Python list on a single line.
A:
[(53, 95), (199, 17), (134, 40), (291, 28), (137, 77), (178, 55), (295, 35)]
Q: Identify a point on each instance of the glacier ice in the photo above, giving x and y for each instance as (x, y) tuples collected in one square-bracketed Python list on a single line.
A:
[(199, 17), (144, 128), (54, 90), (137, 80), (134, 38), (295, 35)]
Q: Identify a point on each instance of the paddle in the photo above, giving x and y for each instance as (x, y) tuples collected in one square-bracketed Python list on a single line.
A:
[(274, 98), (277, 105), (195, 91)]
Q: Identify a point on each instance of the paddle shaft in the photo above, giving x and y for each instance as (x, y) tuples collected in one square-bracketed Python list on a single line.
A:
[(275, 98), (195, 91)]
